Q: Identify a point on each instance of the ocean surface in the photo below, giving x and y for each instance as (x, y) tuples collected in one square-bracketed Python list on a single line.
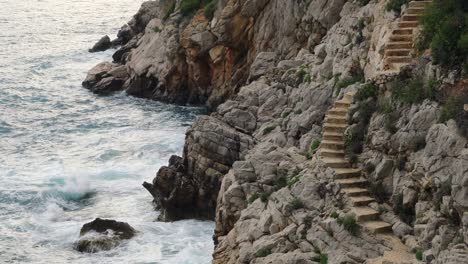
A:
[(68, 156)]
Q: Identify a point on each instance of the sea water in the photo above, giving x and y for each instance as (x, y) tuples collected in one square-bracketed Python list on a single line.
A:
[(68, 156)]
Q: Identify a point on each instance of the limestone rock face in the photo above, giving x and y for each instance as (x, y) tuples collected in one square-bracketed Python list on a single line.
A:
[(269, 70)]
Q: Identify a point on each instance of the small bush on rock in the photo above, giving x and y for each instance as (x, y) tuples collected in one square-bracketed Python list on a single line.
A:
[(349, 223), (267, 130), (321, 258), (419, 254), (210, 9), (293, 181), (169, 10), (263, 252), (395, 5), (296, 204), (367, 91), (252, 198), (264, 196), (281, 182)]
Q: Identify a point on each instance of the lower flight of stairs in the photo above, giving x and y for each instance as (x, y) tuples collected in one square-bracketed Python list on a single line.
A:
[(350, 180), (398, 50)]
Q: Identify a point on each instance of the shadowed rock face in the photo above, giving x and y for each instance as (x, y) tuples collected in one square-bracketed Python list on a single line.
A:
[(103, 234)]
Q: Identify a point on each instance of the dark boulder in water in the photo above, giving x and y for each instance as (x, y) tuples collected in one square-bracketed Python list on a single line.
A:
[(103, 234), (102, 45)]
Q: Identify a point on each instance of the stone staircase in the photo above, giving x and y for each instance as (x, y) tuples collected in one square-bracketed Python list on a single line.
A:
[(350, 180), (398, 50)]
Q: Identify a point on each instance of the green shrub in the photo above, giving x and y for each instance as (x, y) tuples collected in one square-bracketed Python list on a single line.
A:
[(419, 254), (349, 223), (415, 91), (210, 9), (445, 31), (264, 196), (281, 182), (363, 2), (296, 204), (293, 181), (188, 7), (385, 106), (156, 29), (169, 10), (267, 130), (334, 214), (366, 110), (314, 146), (301, 74), (395, 5), (263, 252), (252, 198), (321, 258), (343, 83), (286, 114), (367, 91)]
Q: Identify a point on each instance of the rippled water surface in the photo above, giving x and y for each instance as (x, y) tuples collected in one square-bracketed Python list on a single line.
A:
[(68, 156)]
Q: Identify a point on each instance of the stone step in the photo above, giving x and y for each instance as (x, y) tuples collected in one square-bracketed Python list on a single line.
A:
[(377, 226), (343, 104), (361, 200), (351, 182), (336, 162), (399, 59), (340, 128), (403, 31), (338, 111), (329, 144), (401, 38), (332, 153), (332, 136), (408, 24), (415, 10), (397, 52), (336, 119), (347, 173), (349, 96), (411, 17), (355, 191), (364, 213), (399, 45), (419, 3)]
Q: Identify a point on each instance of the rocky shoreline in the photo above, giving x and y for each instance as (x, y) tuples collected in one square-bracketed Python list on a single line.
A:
[(269, 71)]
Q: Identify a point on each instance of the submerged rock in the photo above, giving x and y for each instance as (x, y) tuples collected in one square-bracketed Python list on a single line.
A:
[(103, 234)]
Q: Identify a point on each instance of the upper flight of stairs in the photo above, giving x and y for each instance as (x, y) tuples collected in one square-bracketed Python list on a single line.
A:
[(398, 50), (349, 179)]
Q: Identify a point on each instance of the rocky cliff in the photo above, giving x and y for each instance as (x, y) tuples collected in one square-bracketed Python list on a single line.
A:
[(269, 70)]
